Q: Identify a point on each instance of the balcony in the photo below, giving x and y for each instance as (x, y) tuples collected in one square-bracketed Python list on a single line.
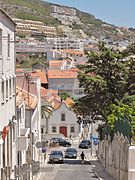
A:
[(23, 139)]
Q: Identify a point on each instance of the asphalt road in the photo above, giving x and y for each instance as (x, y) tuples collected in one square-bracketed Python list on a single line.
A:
[(71, 169)]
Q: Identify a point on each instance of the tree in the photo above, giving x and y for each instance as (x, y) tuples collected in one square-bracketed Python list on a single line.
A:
[(46, 110), (104, 79), (64, 95), (108, 80)]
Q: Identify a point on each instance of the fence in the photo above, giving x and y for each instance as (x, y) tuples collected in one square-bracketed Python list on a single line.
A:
[(114, 156)]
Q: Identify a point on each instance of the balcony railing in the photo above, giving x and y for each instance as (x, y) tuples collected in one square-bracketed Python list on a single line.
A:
[(23, 139)]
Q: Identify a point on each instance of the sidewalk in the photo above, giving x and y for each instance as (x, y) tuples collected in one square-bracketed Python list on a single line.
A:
[(99, 169)]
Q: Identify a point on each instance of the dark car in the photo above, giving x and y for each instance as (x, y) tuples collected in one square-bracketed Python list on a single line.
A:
[(64, 143), (71, 153), (61, 141), (56, 156), (85, 144)]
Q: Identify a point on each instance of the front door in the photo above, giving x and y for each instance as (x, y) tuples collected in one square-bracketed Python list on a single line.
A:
[(63, 130)]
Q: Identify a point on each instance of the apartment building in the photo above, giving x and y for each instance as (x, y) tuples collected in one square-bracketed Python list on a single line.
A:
[(63, 10), (66, 43), (32, 27), (8, 124)]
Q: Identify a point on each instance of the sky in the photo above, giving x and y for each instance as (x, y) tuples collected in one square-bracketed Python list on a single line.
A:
[(116, 12)]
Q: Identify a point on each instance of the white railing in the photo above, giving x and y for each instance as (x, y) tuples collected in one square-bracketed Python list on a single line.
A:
[(23, 139)]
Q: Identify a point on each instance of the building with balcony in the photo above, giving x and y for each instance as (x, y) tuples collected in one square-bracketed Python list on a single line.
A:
[(28, 87), (65, 81), (32, 27), (23, 139), (66, 43), (8, 138)]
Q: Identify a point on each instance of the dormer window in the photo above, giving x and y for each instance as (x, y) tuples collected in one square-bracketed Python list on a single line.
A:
[(63, 117)]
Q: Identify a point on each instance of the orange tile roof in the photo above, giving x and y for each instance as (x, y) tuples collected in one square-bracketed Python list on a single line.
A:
[(30, 101), (50, 95), (62, 74), (34, 73), (71, 51), (55, 63), (41, 74), (69, 102)]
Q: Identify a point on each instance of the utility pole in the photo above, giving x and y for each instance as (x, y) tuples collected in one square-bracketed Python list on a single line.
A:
[(28, 79)]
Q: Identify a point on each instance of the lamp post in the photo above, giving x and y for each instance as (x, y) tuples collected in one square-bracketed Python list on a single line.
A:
[(79, 121), (89, 121)]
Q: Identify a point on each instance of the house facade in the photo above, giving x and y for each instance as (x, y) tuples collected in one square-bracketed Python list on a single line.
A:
[(8, 138), (65, 81), (63, 121), (29, 89), (23, 137)]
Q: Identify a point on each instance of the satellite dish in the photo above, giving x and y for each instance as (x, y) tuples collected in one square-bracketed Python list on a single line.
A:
[(39, 144)]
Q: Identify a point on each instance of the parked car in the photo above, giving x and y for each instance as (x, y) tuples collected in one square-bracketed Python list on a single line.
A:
[(85, 144), (56, 156), (71, 153), (61, 141)]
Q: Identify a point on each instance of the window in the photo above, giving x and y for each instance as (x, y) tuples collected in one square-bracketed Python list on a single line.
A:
[(54, 129), (6, 89), (62, 117), (72, 129), (14, 133), (2, 91), (10, 88), (42, 130), (0, 42), (8, 45), (13, 86), (22, 115)]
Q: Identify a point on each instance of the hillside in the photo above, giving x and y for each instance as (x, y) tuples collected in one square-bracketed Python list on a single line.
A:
[(40, 10)]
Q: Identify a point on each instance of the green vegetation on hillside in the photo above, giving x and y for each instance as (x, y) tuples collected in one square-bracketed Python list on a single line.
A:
[(40, 10), (37, 10)]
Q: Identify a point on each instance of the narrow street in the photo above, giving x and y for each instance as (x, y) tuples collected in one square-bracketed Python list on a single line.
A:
[(70, 169)]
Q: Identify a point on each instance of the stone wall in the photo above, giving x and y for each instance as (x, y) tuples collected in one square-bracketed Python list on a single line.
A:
[(114, 155)]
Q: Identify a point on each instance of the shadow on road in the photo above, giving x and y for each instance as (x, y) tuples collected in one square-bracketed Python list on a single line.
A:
[(75, 161)]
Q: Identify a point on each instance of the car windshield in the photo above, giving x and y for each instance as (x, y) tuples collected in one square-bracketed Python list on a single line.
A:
[(56, 153), (71, 150), (85, 141)]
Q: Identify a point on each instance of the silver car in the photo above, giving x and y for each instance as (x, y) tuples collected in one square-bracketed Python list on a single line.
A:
[(56, 156), (71, 153)]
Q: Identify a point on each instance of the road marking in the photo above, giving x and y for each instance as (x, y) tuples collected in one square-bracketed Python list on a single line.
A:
[(39, 175), (68, 170)]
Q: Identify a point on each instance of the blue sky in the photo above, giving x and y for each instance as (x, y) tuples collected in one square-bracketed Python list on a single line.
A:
[(116, 12)]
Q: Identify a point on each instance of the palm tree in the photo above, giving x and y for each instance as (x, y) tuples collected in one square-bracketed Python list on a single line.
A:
[(46, 112)]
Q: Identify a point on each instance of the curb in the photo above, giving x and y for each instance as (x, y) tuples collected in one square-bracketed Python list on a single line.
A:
[(93, 168)]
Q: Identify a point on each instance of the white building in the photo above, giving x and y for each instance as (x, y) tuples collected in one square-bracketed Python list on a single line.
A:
[(23, 136), (66, 43), (32, 111), (8, 138), (65, 81), (64, 121)]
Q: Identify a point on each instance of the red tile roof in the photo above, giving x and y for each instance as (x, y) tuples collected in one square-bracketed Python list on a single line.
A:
[(74, 52), (62, 74), (30, 100), (56, 63), (34, 73)]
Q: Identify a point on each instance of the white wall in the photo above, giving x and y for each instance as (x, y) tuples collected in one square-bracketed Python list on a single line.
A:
[(70, 120), (7, 81), (114, 156)]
